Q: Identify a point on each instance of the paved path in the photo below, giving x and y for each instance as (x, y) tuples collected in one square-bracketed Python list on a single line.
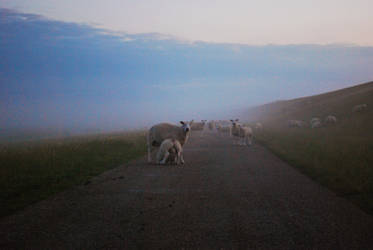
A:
[(224, 197)]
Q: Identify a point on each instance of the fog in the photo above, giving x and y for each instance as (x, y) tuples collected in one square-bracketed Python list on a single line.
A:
[(76, 77)]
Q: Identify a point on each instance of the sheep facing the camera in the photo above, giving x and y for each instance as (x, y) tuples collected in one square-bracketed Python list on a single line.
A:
[(160, 132), (170, 151), (244, 133)]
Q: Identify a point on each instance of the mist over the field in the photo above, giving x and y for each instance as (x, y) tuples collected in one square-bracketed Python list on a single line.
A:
[(72, 76)]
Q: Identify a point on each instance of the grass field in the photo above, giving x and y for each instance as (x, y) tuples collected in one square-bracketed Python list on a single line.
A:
[(338, 156), (32, 171)]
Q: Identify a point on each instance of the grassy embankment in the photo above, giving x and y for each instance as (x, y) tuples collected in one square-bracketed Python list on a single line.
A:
[(32, 171), (338, 156)]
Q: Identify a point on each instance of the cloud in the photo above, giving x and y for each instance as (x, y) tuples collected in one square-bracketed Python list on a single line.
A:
[(103, 75)]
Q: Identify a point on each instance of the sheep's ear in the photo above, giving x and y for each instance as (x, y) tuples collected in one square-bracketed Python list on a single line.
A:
[(182, 122)]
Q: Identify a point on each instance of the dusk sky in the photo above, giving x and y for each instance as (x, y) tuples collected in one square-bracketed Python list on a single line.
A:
[(124, 64)]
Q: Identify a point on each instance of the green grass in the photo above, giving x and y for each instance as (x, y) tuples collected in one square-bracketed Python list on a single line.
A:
[(32, 171), (338, 156)]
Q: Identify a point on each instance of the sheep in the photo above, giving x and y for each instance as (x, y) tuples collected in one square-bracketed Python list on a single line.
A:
[(315, 119), (199, 125), (242, 132), (259, 126), (330, 119), (316, 124), (360, 107), (223, 129), (170, 151), (160, 132), (211, 125), (296, 123)]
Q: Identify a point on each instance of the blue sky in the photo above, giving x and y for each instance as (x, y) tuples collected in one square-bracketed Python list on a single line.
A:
[(56, 73)]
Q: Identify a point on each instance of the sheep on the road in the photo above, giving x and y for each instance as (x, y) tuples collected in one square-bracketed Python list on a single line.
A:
[(170, 151), (160, 132), (245, 134), (198, 125)]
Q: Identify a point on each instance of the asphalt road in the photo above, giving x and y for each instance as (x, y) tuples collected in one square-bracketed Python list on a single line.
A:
[(225, 197)]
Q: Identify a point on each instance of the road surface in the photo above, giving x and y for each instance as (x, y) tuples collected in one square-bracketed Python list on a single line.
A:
[(225, 197)]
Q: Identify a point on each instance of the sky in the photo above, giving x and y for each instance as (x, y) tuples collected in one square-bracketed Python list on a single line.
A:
[(124, 65), (234, 21)]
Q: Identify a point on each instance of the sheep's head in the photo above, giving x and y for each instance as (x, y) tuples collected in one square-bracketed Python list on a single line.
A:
[(186, 126), (234, 122)]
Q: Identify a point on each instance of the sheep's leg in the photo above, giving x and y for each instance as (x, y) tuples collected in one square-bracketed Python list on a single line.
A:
[(178, 158), (165, 158), (149, 149), (181, 158)]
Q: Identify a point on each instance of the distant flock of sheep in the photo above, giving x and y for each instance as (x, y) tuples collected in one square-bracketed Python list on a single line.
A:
[(170, 138), (316, 122)]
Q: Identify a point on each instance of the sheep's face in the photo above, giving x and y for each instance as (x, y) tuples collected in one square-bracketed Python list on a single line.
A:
[(185, 126)]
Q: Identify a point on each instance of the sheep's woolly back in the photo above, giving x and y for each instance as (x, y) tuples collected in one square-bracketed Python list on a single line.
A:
[(160, 132)]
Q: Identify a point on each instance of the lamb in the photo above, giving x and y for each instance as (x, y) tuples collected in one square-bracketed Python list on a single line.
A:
[(331, 119), (360, 107), (170, 151), (242, 132), (160, 132)]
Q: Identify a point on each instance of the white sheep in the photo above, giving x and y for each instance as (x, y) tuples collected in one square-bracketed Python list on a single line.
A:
[(331, 119), (198, 125), (170, 151), (245, 134), (316, 124), (315, 119), (160, 132), (211, 125), (360, 107)]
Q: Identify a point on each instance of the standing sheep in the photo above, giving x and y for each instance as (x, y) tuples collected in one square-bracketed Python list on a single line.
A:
[(160, 132), (360, 107), (198, 125), (170, 151), (331, 119), (245, 134), (315, 122), (211, 125)]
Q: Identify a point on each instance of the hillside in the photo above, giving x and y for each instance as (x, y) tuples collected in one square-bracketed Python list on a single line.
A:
[(339, 155), (339, 103)]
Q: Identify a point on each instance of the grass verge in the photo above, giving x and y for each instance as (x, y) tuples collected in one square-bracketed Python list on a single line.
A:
[(341, 161), (33, 171)]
